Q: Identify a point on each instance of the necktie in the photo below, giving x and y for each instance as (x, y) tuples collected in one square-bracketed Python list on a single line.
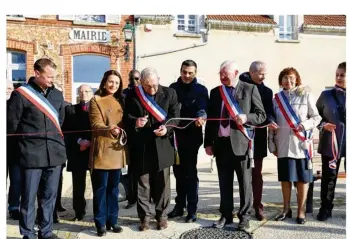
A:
[(224, 113), (85, 107)]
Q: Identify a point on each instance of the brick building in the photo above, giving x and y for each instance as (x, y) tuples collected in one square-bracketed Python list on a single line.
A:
[(82, 46)]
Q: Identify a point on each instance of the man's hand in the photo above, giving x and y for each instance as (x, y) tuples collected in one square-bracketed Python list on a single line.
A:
[(300, 128), (161, 131), (140, 122), (273, 126), (209, 150), (329, 127), (200, 122), (84, 144), (241, 119)]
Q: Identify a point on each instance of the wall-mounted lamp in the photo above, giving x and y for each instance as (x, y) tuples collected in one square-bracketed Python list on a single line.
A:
[(128, 30)]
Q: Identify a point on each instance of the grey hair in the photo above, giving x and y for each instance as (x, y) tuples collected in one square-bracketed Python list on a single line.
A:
[(256, 66), (84, 85), (230, 64), (147, 72)]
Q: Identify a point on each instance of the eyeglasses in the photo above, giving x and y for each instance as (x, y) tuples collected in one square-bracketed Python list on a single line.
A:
[(135, 78), (85, 91), (150, 87)]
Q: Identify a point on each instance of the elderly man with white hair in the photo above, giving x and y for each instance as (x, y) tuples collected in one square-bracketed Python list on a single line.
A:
[(237, 103), (147, 108)]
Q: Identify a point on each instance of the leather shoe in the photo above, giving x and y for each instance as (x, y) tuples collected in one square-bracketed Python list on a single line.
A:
[(56, 220), (283, 216), (130, 205), (221, 223), (191, 218), (301, 220), (144, 226), (101, 231), (14, 214), (176, 212), (79, 217), (162, 224), (115, 228), (259, 214), (324, 214), (244, 225)]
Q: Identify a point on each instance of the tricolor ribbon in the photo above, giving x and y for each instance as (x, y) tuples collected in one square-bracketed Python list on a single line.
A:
[(234, 109), (293, 122), (41, 103), (157, 112)]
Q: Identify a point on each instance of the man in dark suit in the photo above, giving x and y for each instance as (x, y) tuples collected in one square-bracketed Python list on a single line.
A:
[(193, 98), (36, 109), (225, 140), (256, 76), (78, 147), (331, 106), (151, 142)]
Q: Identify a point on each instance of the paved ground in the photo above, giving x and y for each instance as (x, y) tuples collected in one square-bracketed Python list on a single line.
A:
[(208, 211)]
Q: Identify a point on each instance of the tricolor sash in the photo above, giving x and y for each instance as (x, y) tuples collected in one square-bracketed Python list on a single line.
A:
[(234, 109), (293, 122), (41, 103), (157, 112)]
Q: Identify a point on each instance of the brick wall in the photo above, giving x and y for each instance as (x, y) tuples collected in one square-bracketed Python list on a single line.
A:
[(31, 36)]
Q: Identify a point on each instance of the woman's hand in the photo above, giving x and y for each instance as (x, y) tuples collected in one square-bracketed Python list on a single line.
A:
[(115, 130), (329, 127)]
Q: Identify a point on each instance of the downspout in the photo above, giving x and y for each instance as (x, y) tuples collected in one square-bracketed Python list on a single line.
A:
[(134, 42)]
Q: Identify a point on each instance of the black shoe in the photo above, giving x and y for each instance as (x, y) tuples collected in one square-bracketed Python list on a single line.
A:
[(14, 214), (191, 218), (324, 214), (115, 228), (61, 209), (53, 236), (56, 220), (101, 231), (244, 225), (79, 217), (222, 222), (176, 212), (130, 205), (301, 220), (283, 216)]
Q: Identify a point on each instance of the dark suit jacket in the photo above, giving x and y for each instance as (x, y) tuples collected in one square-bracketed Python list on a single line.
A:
[(138, 138), (260, 139), (36, 151), (77, 120), (327, 108), (249, 100)]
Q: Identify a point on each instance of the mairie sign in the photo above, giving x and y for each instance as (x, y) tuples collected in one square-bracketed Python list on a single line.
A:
[(90, 35)]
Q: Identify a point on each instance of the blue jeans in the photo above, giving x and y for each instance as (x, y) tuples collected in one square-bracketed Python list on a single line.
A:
[(105, 196)]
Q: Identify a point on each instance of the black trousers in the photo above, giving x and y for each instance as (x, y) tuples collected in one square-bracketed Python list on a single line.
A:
[(132, 185), (328, 183), (41, 182), (159, 183), (79, 186), (227, 162), (187, 181)]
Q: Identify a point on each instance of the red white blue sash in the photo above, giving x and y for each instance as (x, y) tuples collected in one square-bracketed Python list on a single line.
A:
[(150, 105), (234, 109), (293, 122), (41, 103)]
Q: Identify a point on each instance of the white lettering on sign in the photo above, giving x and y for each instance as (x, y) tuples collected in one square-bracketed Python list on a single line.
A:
[(90, 35)]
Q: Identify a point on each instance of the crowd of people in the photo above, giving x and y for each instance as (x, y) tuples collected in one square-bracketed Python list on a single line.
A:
[(115, 127)]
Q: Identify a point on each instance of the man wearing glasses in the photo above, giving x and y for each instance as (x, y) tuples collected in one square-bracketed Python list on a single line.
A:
[(134, 80), (147, 108)]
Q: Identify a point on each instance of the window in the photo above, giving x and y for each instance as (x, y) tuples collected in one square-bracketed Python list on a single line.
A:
[(16, 67), (288, 29), (90, 18), (187, 23), (20, 16)]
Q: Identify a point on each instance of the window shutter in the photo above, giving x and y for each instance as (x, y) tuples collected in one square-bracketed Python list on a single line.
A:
[(66, 17), (32, 16), (113, 19)]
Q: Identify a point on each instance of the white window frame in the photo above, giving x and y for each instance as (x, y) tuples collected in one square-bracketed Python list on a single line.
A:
[(14, 66), (186, 23), (109, 19), (287, 32)]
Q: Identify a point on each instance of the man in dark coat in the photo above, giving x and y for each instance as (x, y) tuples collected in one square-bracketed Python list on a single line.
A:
[(332, 108), (193, 98), (256, 76), (36, 110), (134, 80), (152, 144), (78, 147), (229, 145)]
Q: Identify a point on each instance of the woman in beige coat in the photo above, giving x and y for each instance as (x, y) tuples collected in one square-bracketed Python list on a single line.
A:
[(107, 154), (293, 164)]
